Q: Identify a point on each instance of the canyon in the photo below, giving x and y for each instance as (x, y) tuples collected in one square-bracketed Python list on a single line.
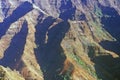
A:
[(59, 39)]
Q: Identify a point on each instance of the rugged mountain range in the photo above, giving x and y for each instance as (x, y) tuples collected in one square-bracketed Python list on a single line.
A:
[(59, 40)]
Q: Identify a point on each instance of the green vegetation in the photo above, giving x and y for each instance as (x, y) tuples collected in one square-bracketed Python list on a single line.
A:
[(99, 32), (98, 11), (84, 65), (80, 62), (67, 76)]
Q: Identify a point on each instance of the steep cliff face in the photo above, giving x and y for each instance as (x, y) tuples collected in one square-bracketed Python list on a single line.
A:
[(60, 39)]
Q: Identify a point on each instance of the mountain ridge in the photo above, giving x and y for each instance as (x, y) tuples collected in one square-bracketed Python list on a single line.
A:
[(60, 39)]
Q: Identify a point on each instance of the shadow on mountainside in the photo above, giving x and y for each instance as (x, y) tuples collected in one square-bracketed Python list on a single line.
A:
[(48, 38), (113, 46), (20, 11), (111, 23), (13, 53), (67, 10), (50, 54), (106, 66)]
